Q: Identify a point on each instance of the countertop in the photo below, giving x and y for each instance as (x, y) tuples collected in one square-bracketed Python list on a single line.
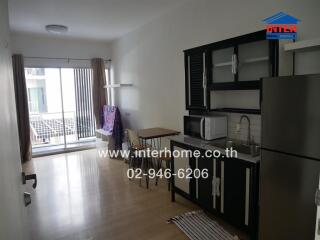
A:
[(209, 145)]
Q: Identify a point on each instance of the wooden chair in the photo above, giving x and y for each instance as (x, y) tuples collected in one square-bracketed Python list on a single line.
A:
[(134, 146), (145, 163)]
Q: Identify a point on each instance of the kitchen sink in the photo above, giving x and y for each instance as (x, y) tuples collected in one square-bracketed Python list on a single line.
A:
[(239, 146)]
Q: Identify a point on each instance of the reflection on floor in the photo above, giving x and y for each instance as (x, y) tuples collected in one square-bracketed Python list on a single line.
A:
[(82, 196), (54, 149)]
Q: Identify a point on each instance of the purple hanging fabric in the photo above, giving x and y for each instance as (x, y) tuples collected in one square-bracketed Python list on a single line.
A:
[(112, 123), (109, 114)]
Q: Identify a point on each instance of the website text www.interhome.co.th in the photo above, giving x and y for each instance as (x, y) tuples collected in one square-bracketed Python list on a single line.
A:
[(153, 153)]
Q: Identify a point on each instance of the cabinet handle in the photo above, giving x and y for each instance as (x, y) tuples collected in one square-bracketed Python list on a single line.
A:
[(197, 181), (234, 60), (204, 81), (222, 188), (232, 64), (214, 184), (214, 187), (235, 64), (204, 90), (215, 190), (201, 128), (217, 187), (247, 197)]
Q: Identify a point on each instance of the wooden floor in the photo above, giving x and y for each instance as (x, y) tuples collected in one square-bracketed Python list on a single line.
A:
[(82, 196)]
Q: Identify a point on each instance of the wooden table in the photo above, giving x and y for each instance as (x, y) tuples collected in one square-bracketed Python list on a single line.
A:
[(153, 135)]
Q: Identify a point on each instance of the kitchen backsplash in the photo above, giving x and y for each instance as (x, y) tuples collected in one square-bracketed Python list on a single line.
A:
[(233, 120)]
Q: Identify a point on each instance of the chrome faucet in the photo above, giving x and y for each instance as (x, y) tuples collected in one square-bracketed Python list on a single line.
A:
[(249, 127)]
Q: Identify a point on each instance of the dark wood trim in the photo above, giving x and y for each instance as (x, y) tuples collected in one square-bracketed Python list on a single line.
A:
[(173, 199), (208, 71), (182, 193), (260, 94), (251, 37), (274, 57), (237, 110), (237, 85), (186, 79), (230, 110), (294, 63)]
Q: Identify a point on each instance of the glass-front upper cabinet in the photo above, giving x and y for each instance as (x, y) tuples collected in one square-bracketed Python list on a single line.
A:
[(239, 63), (222, 65), (253, 61)]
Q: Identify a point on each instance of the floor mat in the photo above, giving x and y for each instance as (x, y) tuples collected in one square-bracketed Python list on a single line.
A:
[(198, 226)]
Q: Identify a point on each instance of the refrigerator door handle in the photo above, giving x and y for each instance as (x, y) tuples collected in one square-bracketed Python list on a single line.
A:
[(202, 135), (317, 197), (218, 187)]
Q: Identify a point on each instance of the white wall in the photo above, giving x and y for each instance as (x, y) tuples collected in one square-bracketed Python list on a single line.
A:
[(152, 58), (31, 45)]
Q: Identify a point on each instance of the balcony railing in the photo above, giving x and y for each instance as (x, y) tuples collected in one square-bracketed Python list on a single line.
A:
[(48, 128)]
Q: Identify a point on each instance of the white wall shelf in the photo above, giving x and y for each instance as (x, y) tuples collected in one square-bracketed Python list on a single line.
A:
[(118, 85), (302, 45)]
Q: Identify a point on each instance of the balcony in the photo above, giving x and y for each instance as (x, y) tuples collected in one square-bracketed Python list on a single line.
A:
[(49, 129)]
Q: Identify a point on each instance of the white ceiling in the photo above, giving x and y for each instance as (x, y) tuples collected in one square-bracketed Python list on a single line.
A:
[(89, 19)]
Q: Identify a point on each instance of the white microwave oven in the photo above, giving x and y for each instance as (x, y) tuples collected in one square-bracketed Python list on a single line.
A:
[(206, 127)]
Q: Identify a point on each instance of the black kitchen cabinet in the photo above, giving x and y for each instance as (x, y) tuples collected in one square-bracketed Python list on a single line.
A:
[(236, 190), (197, 95), (233, 198), (239, 193), (239, 63), (233, 64), (230, 191), (205, 193)]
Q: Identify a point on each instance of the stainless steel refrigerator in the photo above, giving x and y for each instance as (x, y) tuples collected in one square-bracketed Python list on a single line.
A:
[(290, 158)]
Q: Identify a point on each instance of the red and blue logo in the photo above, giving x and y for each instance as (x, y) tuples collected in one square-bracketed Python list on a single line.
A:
[(281, 26)]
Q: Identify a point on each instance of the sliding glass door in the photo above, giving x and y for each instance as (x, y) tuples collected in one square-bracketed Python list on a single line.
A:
[(60, 107)]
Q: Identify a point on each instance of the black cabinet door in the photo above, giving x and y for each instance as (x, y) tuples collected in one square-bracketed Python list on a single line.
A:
[(222, 65), (239, 63), (204, 184), (196, 80), (235, 191)]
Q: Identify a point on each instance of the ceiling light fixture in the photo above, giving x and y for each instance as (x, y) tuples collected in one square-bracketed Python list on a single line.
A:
[(57, 29)]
